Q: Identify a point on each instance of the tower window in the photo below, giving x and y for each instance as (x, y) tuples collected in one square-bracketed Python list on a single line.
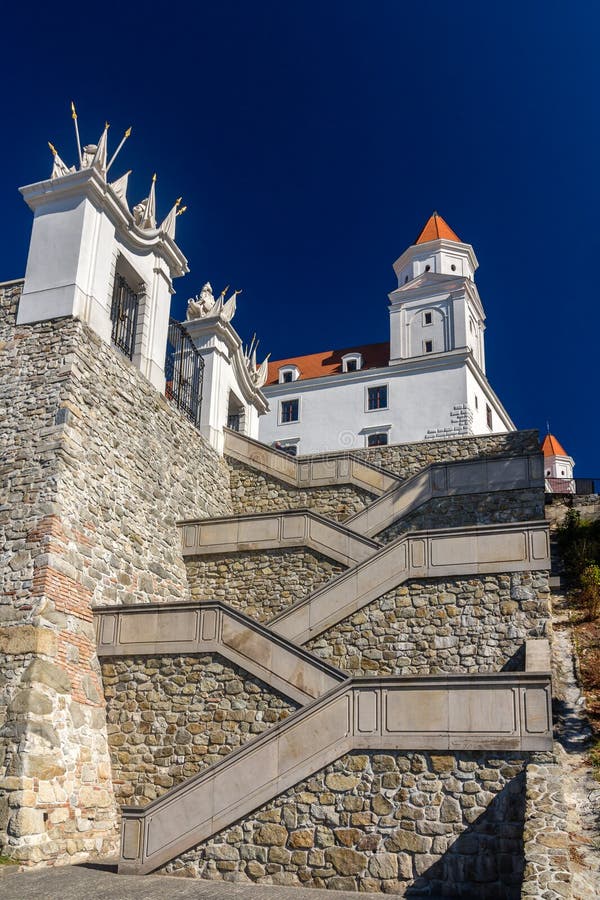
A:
[(427, 318), (428, 346), (377, 440), (453, 267), (427, 268), (476, 402), (289, 411), (124, 315), (405, 279), (488, 415), (377, 397)]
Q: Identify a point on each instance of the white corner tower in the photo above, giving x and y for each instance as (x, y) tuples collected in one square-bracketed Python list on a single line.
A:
[(93, 258)]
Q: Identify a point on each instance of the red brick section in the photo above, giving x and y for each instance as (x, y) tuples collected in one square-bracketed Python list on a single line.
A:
[(69, 597)]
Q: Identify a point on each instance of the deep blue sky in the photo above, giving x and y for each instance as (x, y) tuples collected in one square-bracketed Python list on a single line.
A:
[(311, 141)]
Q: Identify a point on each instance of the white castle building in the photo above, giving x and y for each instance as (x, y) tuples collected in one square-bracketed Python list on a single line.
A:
[(427, 382)]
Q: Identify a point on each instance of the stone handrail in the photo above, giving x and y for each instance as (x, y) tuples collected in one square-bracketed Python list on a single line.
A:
[(213, 627), (310, 471), (276, 530), (503, 711), (454, 552), (448, 479)]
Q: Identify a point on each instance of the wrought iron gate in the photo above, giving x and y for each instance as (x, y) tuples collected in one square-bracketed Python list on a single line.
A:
[(184, 370)]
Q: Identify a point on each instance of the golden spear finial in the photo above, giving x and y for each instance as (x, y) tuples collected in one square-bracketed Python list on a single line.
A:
[(154, 177), (74, 117), (115, 154), (181, 211), (53, 148)]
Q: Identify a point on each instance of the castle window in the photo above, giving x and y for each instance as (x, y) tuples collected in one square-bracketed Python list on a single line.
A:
[(124, 315), (379, 439), (427, 318), (377, 397), (453, 267), (405, 279), (476, 402), (288, 373), (488, 415), (428, 346), (427, 268), (289, 411), (351, 362)]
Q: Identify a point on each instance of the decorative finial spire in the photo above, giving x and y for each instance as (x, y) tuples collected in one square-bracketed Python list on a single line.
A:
[(168, 225), (59, 168), (148, 219), (100, 155), (120, 187)]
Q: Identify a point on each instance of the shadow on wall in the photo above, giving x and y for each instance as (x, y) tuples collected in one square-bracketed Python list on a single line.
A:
[(487, 861)]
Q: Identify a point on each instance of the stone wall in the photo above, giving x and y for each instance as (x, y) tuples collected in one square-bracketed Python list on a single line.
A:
[(96, 469), (171, 716), (495, 507), (260, 584), (435, 626), (253, 491), (396, 822), (587, 505), (405, 460), (546, 838)]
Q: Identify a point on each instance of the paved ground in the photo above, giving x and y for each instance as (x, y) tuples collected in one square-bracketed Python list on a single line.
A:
[(77, 882)]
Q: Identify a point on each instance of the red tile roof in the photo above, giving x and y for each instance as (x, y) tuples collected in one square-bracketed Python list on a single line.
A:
[(329, 362), (551, 447), (436, 228)]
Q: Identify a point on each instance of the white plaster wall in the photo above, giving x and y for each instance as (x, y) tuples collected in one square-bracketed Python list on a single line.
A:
[(333, 416), (484, 395)]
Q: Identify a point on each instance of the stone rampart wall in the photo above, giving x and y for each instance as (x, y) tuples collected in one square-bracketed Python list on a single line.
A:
[(171, 716), (254, 492), (96, 469), (431, 626), (405, 460), (384, 822), (260, 584)]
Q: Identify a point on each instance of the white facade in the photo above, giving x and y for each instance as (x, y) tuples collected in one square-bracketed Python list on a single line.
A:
[(433, 384)]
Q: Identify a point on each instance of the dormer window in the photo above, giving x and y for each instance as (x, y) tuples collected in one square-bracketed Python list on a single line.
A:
[(352, 362), (288, 374)]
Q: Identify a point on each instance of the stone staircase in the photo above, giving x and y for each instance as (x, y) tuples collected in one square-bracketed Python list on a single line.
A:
[(450, 712)]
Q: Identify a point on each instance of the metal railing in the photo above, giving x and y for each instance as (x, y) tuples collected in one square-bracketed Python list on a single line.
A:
[(124, 315), (572, 485), (184, 372)]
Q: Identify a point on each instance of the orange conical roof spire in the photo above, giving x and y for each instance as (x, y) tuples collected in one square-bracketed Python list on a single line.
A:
[(552, 447), (437, 228)]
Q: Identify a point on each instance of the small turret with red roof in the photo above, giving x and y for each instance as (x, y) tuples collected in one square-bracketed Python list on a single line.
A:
[(558, 467)]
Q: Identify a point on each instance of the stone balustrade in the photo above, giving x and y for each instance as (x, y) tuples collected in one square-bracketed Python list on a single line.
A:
[(275, 531), (432, 554)]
